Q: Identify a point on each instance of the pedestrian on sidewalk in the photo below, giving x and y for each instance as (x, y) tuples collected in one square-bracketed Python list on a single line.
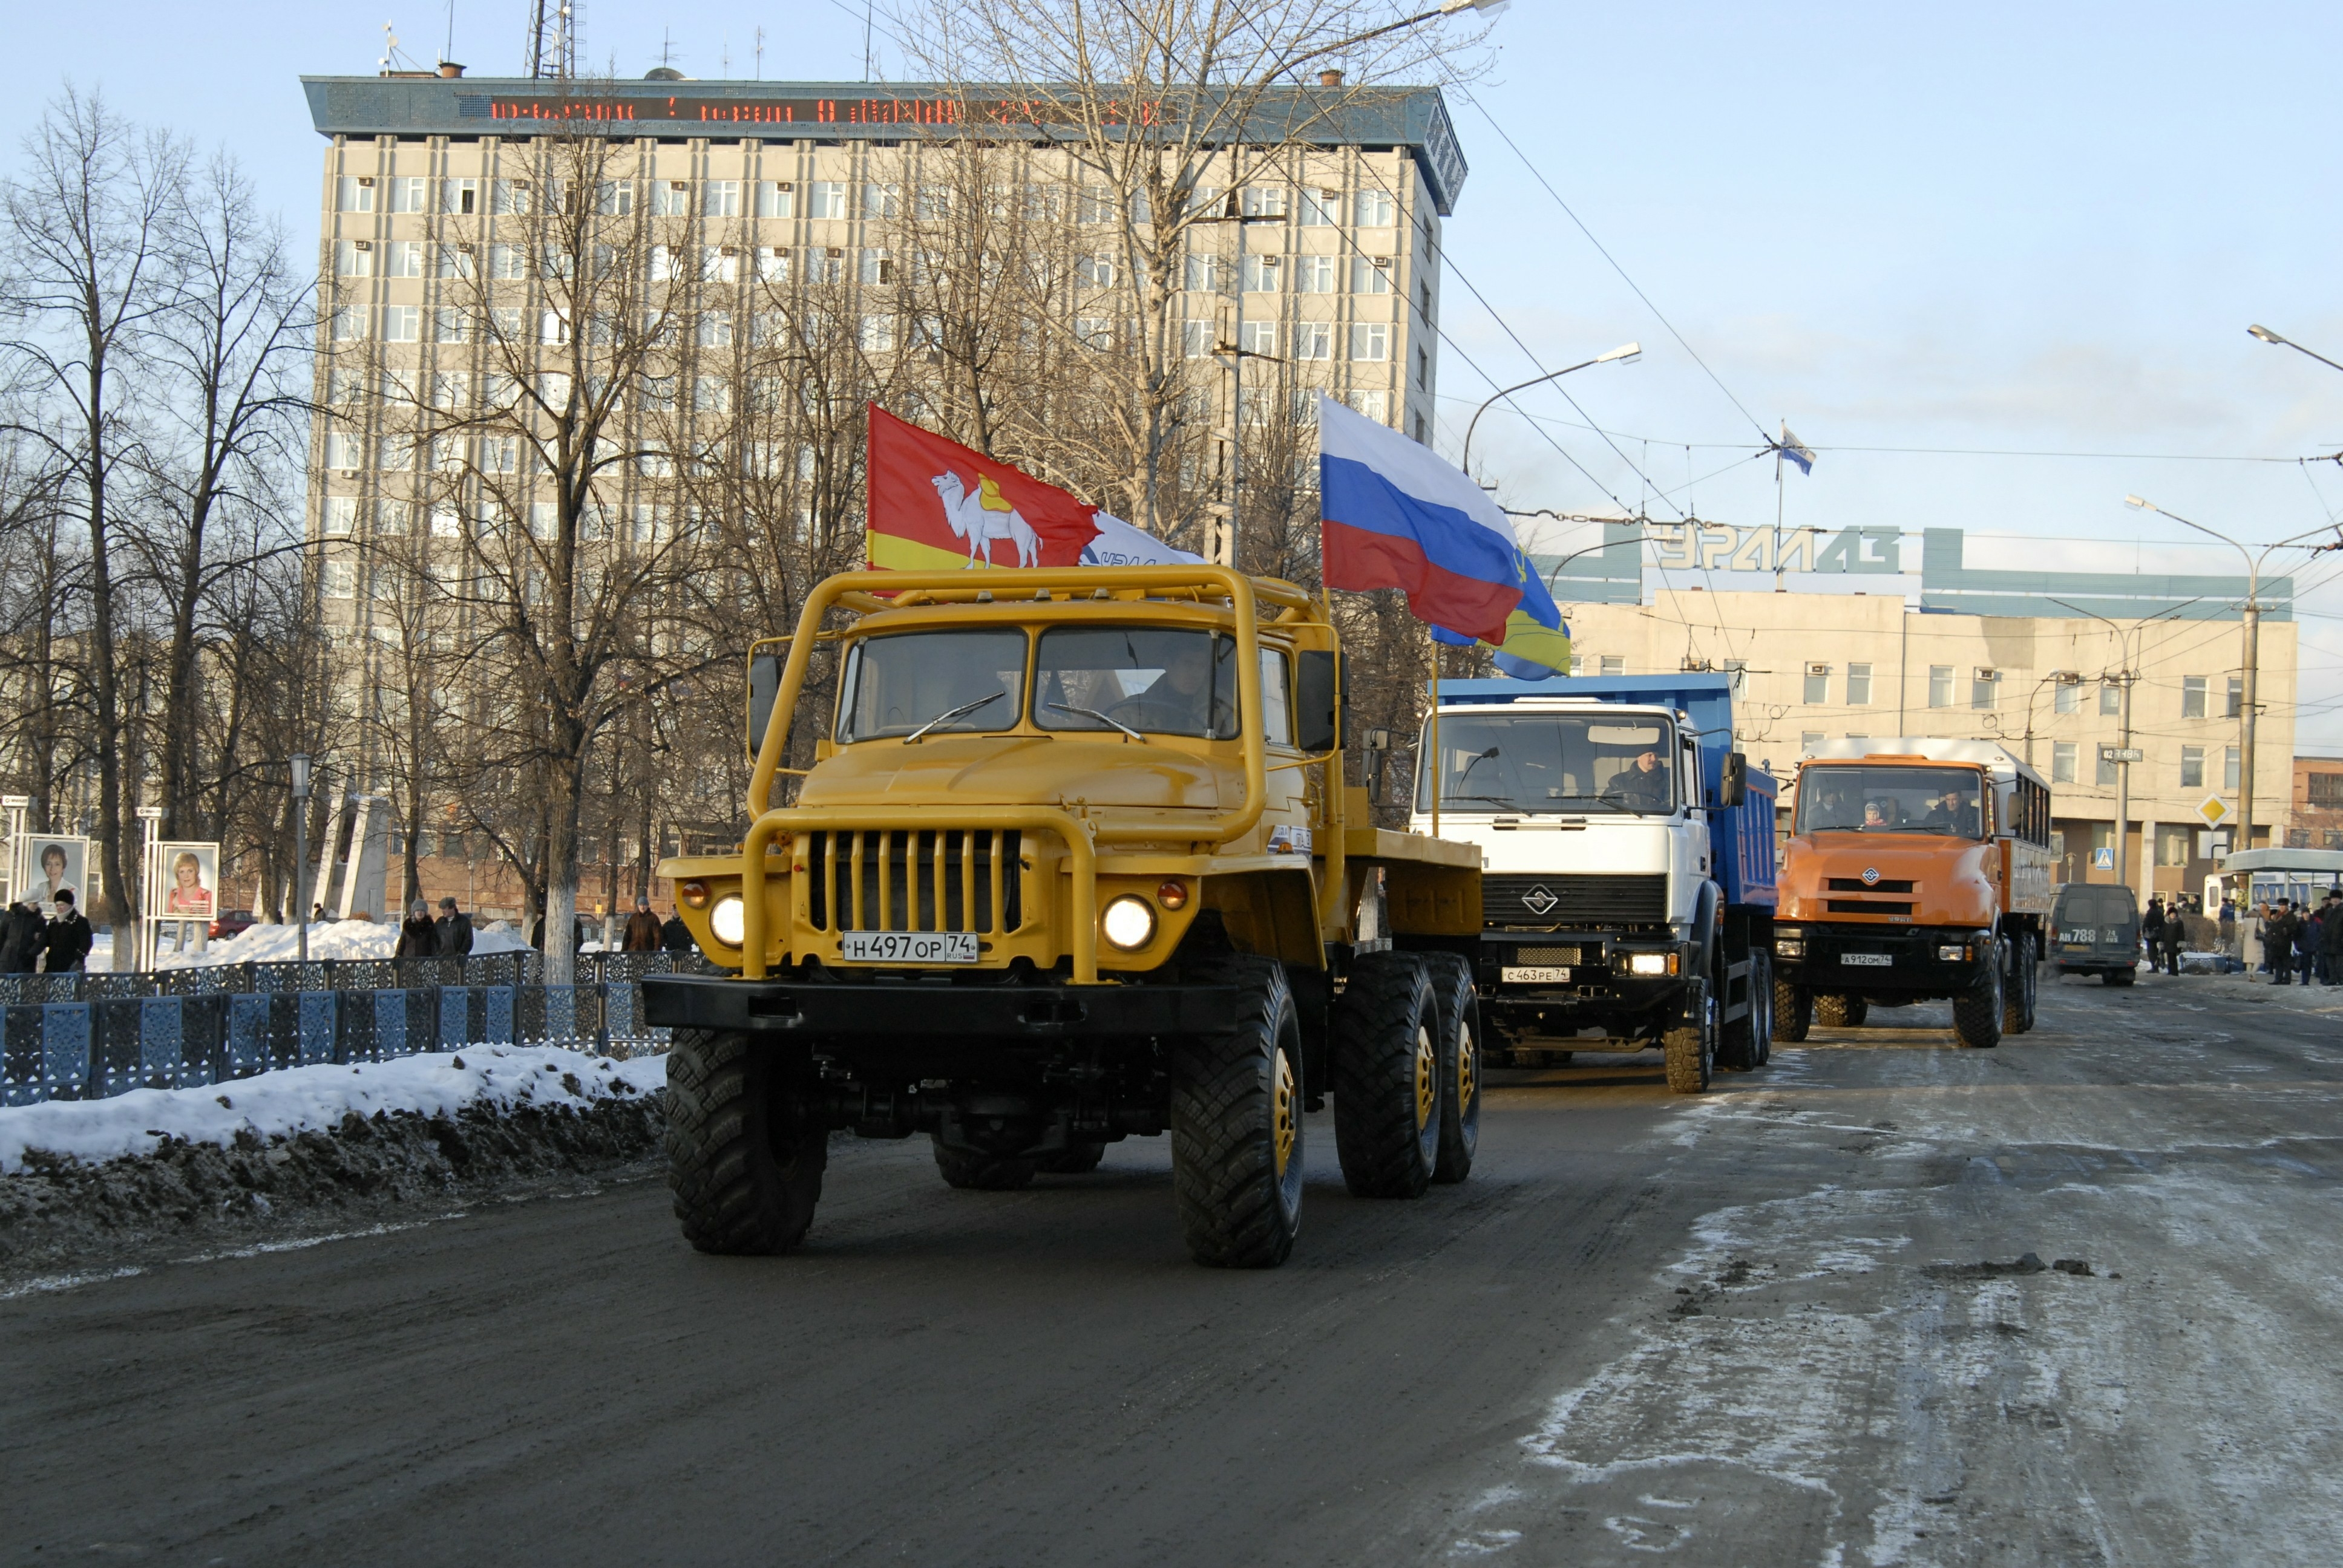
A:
[(2309, 933), (2151, 930), (675, 936), (67, 942), (2176, 936), (642, 935), (20, 939), (454, 930), (417, 936), (2330, 953)]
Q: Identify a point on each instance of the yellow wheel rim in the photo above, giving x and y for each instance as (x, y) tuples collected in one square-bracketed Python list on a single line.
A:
[(1467, 1064), (1284, 1133), (1427, 1078)]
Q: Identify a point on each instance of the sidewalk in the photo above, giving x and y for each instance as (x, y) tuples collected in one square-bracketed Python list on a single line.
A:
[(2252, 988)]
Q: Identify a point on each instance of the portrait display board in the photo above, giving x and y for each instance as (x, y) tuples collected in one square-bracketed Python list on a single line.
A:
[(49, 862), (184, 882)]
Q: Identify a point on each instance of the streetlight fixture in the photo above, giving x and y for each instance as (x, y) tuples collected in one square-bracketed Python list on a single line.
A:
[(2125, 676), (1625, 353), (2267, 336), (2247, 704), (301, 847)]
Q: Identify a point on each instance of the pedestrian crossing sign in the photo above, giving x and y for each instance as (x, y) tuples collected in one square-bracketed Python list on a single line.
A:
[(2104, 859), (2214, 810)]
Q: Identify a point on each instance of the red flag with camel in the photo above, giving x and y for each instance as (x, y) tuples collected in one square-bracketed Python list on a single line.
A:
[(935, 504)]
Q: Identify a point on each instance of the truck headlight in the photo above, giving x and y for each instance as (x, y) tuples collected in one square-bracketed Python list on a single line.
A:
[(1650, 963), (1128, 922), (728, 920), (1952, 952), (1790, 947)]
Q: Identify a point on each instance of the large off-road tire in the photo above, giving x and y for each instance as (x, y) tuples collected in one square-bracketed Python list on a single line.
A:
[(2017, 1007), (1383, 1065), (1073, 1160), (1748, 1040), (1458, 1009), (1977, 1011), (981, 1171), (1832, 1010), (1690, 1048), (746, 1146), (1794, 1012), (1236, 1124)]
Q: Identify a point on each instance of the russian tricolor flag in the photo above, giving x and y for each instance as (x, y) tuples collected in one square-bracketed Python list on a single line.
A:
[(1397, 517)]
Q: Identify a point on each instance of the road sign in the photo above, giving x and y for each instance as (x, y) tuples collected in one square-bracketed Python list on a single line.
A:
[(2104, 860), (2214, 810)]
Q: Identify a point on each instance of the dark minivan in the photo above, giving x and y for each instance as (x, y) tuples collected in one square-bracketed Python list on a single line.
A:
[(2095, 931)]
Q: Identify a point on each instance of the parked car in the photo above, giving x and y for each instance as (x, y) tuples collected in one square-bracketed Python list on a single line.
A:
[(232, 922), (2095, 931)]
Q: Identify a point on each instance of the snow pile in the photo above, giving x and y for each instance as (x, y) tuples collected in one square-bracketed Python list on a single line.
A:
[(494, 1079), (328, 940)]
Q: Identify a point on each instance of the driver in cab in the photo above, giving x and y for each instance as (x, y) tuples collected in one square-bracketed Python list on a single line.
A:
[(1642, 784), (1181, 701), (1956, 814)]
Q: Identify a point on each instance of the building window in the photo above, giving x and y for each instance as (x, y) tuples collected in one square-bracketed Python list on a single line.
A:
[(671, 198), (2062, 762), (2236, 703), (2298, 838), (881, 200), (877, 268), (410, 193), (1809, 741), (723, 198), (1314, 340), (405, 259), (878, 335), (2192, 767), (825, 198), (1196, 339), (1940, 686), (1818, 684), (1858, 685), (1265, 201), (1370, 275), (344, 449), (354, 258), (1261, 273), (1614, 664), (720, 263), (615, 198), (2067, 697), (1423, 366), (2172, 846), (772, 264), (716, 329), (2192, 696), (2110, 699), (2229, 768), (1098, 332), (460, 196), (777, 198), (341, 579), (1981, 692), (2325, 790), (1370, 342), (1313, 274), (354, 193), (341, 514), (1257, 337), (1375, 406), (402, 323), (509, 196), (1371, 209), (2106, 779)]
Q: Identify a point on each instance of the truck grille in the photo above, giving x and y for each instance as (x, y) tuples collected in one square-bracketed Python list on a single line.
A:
[(1565, 956), (1858, 885), (1867, 906), (1578, 900), (902, 879)]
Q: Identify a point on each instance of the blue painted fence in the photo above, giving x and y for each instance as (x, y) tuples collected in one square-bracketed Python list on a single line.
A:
[(88, 1036)]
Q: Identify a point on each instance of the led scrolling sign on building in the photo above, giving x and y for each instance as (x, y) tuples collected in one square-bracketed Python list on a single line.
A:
[(685, 109)]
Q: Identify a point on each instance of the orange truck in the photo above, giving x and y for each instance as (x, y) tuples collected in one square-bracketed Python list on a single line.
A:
[(1915, 869)]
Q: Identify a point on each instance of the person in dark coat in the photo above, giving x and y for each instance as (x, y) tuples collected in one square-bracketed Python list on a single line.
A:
[(455, 930), (66, 943), (2175, 937), (2330, 956), (20, 939), (675, 936), (2309, 931), (2277, 943), (642, 935), (417, 936)]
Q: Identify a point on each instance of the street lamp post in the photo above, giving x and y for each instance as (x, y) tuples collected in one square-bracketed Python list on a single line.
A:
[(2267, 336), (2249, 697), (301, 847), (2064, 678), (2125, 676), (1625, 353)]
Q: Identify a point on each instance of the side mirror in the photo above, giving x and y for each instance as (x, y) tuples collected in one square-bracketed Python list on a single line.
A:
[(764, 687), (1375, 743), (1733, 786), (1317, 721)]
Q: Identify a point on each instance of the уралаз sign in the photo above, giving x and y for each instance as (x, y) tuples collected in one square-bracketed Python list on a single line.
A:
[(1721, 546)]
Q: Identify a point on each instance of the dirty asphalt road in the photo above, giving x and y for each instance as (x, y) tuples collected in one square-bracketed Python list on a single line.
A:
[(1747, 1329)]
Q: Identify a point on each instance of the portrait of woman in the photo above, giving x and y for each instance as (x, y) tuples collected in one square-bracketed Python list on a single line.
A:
[(56, 864), (187, 894)]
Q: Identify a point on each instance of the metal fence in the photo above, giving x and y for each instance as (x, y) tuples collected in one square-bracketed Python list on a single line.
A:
[(88, 1036)]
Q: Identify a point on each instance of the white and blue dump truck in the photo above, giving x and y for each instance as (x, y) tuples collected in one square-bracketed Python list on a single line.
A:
[(1628, 868)]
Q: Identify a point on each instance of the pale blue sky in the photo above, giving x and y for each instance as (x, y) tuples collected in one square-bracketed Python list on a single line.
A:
[(2009, 228)]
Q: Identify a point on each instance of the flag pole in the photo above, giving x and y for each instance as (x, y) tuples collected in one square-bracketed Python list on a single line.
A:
[(1435, 744), (1777, 505)]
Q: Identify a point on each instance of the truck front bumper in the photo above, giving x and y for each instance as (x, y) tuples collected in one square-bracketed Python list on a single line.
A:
[(1581, 977), (906, 1012), (1880, 960)]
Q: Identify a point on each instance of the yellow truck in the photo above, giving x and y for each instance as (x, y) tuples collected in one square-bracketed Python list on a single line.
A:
[(1074, 861)]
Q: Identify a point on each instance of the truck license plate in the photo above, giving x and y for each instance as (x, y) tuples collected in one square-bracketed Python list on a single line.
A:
[(1524, 975), (1868, 960), (908, 947)]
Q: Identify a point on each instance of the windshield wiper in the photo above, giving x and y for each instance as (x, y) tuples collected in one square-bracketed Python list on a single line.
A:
[(952, 713), (1094, 713), (1498, 800)]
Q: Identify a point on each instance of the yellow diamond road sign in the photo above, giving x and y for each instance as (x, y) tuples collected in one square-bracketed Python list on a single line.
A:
[(2214, 810)]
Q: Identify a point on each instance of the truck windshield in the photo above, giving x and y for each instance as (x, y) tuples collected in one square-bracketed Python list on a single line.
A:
[(1554, 762), (1901, 799), (1145, 678), (952, 680)]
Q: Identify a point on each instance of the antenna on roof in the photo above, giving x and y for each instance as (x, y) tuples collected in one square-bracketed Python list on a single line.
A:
[(553, 28)]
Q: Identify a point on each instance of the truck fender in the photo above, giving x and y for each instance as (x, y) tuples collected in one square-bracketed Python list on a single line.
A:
[(1705, 911)]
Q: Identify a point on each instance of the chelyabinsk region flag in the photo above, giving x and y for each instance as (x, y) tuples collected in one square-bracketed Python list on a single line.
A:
[(935, 504), (1396, 515)]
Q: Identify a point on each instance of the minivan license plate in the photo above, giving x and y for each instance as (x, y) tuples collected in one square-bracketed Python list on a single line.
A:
[(2083, 934), (1868, 960), (908, 947)]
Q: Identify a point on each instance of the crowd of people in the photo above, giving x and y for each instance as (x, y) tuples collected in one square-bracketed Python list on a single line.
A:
[(2302, 943), (57, 944)]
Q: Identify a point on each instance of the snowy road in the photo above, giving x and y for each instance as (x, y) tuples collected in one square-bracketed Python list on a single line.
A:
[(1770, 1326)]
